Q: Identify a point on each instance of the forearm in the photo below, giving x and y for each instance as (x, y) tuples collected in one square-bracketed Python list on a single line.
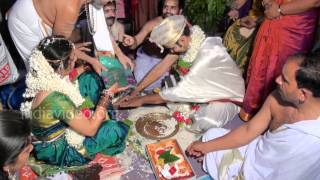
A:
[(151, 77), (140, 37), (157, 72), (95, 121), (245, 133), (75, 35), (152, 99), (83, 56), (116, 48), (234, 139), (298, 6)]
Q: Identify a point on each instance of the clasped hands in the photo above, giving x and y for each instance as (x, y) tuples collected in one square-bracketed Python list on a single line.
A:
[(107, 95), (130, 101)]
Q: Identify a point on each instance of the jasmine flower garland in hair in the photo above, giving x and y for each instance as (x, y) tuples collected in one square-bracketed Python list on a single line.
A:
[(197, 37), (42, 77)]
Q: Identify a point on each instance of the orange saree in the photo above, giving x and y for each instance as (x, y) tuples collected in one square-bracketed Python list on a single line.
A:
[(276, 40)]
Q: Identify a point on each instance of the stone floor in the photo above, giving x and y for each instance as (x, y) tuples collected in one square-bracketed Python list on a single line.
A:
[(141, 168)]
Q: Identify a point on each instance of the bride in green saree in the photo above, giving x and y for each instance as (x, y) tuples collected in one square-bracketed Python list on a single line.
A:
[(65, 135)]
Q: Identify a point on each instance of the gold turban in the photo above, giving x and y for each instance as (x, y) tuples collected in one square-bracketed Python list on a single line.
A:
[(168, 32)]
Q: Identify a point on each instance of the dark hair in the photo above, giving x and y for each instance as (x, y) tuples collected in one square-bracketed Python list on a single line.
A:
[(56, 49), (14, 134), (111, 3), (186, 31), (181, 3), (308, 74)]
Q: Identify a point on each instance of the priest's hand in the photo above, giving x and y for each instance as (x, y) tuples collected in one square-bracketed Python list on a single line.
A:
[(197, 149), (128, 40), (98, 67), (125, 61), (94, 62)]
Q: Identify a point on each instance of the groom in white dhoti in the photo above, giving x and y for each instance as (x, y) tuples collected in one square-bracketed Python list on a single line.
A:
[(214, 80), (282, 141)]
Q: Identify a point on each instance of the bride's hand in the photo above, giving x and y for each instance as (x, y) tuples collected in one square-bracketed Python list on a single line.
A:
[(115, 88)]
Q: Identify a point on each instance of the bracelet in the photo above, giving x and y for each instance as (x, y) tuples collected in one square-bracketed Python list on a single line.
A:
[(105, 98), (104, 101), (108, 93)]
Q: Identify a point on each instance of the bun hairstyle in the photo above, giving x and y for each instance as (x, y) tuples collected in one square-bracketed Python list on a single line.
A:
[(14, 135), (56, 49)]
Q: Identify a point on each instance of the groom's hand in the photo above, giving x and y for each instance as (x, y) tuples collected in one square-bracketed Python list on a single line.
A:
[(197, 149), (130, 101)]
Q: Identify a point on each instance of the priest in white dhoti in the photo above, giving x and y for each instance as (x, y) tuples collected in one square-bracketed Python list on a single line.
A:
[(213, 80), (281, 142), (30, 21)]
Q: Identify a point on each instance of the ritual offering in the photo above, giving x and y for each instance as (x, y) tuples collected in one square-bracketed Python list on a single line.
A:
[(168, 160), (157, 126)]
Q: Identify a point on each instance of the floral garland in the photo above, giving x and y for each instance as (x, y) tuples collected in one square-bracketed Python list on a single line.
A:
[(197, 37), (42, 77), (183, 113)]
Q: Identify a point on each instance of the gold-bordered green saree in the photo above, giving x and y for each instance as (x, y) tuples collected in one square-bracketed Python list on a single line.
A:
[(49, 122)]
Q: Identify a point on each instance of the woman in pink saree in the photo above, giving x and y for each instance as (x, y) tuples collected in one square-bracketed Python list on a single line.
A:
[(288, 28)]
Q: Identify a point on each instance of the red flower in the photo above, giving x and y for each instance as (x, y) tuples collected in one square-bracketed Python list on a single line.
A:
[(195, 107), (188, 121), (180, 119), (172, 170), (183, 70), (86, 112), (176, 114), (161, 151)]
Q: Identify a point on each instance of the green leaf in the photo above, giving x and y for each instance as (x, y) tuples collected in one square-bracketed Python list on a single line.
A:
[(168, 158), (128, 122), (87, 104), (184, 64)]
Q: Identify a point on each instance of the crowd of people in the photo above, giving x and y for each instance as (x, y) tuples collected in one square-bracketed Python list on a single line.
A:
[(265, 70)]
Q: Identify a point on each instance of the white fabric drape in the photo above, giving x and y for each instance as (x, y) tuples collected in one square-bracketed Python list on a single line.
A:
[(101, 37), (213, 76), (289, 152)]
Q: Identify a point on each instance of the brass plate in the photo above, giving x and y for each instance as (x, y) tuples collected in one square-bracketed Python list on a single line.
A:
[(146, 126)]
